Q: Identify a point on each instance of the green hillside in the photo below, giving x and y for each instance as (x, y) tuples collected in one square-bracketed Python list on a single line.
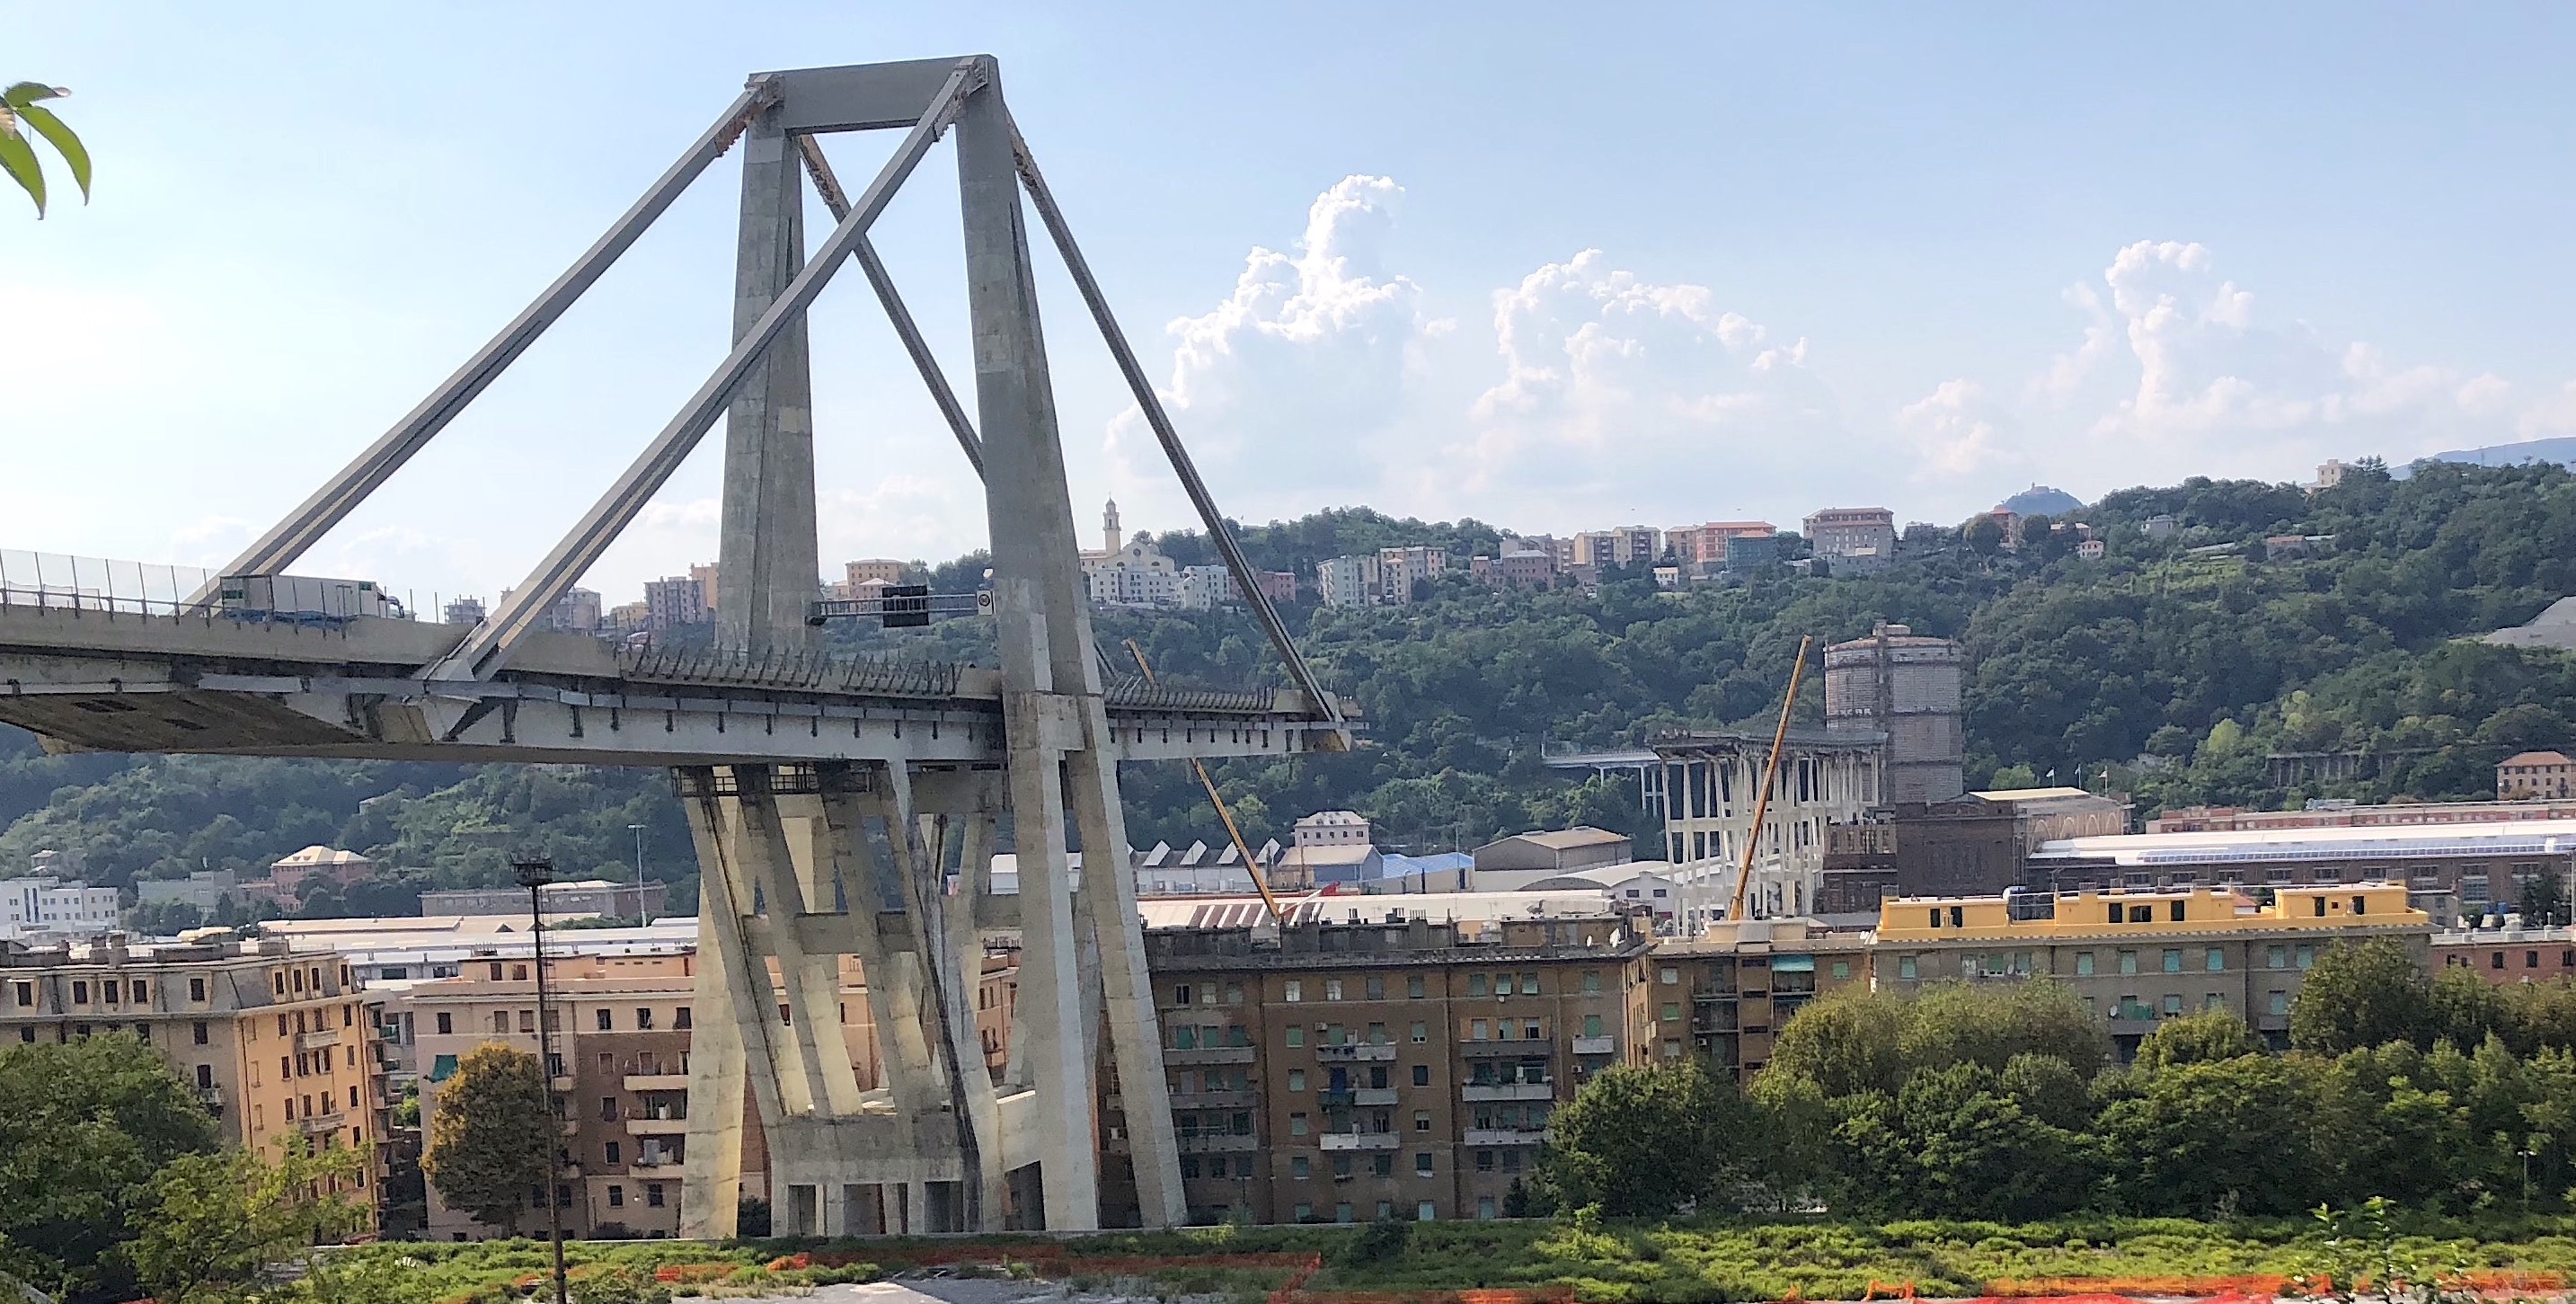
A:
[(2172, 669)]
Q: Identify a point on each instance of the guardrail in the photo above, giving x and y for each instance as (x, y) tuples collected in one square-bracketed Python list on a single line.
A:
[(788, 669), (57, 582)]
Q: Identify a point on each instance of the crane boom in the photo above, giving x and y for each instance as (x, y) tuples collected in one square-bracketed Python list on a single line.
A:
[(1770, 775)]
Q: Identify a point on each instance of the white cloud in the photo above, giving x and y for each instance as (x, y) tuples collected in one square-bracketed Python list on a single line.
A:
[(1621, 396), (2181, 372), (1289, 384), (1955, 431)]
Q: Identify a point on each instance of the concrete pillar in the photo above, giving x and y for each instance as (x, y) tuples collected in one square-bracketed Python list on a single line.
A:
[(1042, 623), (824, 1082), (768, 562), (1127, 991), (903, 1050), (731, 1046)]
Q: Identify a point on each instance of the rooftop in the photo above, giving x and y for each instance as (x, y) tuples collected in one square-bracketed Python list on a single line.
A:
[(2333, 842)]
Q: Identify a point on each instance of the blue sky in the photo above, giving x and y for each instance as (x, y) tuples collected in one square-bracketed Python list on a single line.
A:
[(1553, 266)]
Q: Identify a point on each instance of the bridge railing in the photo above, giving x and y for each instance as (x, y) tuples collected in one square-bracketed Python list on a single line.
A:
[(58, 582)]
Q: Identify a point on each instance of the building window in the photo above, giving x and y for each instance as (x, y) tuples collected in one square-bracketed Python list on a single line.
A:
[(2276, 957), (616, 1194), (1905, 966), (2276, 1003), (1422, 1075), (2306, 957), (1668, 975), (653, 1195), (1301, 1168), (2215, 961), (1422, 1163), (2173, 961), (1332, 989), (2128, 962), (680, 1017), (2172, 1005), (2495, 960), (2084, 964), (1297, 1124), (198, 1034), (614, 1153), (1426, 1211), (1375, 987), (1181, 994), (604, 1022), (196, 989), (1296, 1035)]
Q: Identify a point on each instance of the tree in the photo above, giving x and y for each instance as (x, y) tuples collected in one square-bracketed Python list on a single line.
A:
[(2362, 996), (21, 108), (2203, 1038), (2229, 1135), (222, 1222), (1644, 1141), (492, 1135), (1957, 1140), (83, 1126)]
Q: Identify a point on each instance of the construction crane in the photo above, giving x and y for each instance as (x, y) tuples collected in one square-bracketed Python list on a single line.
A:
[(1770, 775), (1278, 915)]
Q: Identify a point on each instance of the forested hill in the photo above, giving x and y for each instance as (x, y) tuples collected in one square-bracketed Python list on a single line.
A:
[(2172, 669)]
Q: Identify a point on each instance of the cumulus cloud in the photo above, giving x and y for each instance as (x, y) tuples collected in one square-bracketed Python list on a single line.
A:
[(1955, 431), (1619, 394), (2181, 364), (1297, 374)]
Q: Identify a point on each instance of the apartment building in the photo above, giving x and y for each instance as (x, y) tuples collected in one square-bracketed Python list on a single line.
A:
[(1205, 588), (2140, 957), (621, 1026), (1852, 532), (1725, 994), (42, 904), (2332, 814), (1343, 1072), (2524, 776), (1399, 569), (276, 1043), (2512, 953), (1348, 581), (674, 601), (1722, 545)]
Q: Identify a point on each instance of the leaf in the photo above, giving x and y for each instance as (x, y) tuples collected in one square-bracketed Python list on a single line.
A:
[(18, 159), (25, 93), (63, 141)]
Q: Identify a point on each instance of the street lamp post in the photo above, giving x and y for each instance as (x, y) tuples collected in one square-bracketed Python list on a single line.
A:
[(534, 872), (638, 831)]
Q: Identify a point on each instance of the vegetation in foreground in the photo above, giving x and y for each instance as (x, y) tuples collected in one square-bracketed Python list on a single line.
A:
[(1640, 1261)]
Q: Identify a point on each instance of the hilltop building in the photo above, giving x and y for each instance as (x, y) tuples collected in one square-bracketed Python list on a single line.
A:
[(2525, 776)]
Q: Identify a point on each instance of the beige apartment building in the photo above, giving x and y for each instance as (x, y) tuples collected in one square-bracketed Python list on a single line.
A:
[(1348, 1072), (621, 1026), (277, 1043), (1726, 993)]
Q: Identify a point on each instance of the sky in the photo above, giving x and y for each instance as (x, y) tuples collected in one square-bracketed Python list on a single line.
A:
[(1553, 267)]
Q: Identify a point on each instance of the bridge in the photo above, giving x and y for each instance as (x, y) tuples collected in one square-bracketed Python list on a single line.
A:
[(839, 806)]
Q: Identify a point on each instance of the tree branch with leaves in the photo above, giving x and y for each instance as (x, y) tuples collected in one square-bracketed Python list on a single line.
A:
[(21, 111)]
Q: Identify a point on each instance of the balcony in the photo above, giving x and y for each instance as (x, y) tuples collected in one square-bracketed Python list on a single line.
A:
[(316, 1124), (1209, 1055), (1373, 1096), (321, 1040), (655, 1159), (1507, 1091), (1356, 1052), (1213, 1143), (211, 1097), (1596, 1045), (657, 1126), (1359, 1141), (1216, 1100), (655, 1082), (1505, 1136)]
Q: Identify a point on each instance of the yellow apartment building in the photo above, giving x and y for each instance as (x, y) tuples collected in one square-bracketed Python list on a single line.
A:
[(277, 1043), (2140, 957)]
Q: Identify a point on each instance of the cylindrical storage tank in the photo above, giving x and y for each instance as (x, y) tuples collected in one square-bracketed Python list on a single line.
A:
[(1905, 687)]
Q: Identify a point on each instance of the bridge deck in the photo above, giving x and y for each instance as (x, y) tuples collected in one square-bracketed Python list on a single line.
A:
[(211, 684)]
